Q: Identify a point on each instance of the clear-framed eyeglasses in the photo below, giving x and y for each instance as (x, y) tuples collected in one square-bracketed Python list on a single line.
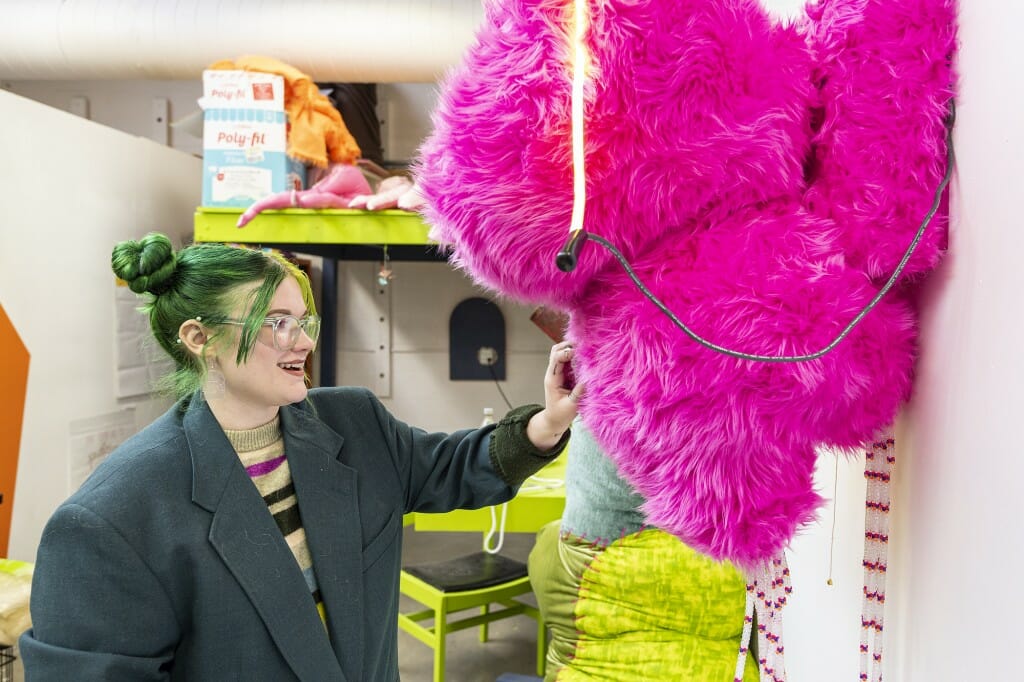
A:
[(287, 329)]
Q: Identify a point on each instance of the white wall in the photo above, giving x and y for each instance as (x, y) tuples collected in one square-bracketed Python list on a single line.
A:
[(953, 604), (121, 104), (71, 189), (127, 104), (956, 601), (422, 297)]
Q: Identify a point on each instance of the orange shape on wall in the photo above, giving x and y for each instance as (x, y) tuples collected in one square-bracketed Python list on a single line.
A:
[(13, 387)]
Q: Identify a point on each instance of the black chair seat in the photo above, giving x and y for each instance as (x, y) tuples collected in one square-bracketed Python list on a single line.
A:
[(470, 572)]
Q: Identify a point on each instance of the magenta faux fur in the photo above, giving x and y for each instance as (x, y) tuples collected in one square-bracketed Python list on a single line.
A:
[(763, 179)]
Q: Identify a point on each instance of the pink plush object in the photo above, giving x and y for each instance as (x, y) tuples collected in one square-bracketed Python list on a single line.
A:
[(763, 179), (337, 189)]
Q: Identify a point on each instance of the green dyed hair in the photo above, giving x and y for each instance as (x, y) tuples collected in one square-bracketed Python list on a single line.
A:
[(204, 281)]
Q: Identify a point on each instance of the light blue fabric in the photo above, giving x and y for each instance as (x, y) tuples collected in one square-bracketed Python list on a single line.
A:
[(600, 506)]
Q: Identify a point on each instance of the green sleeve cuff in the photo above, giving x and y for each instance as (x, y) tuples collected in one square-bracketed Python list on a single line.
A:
[(512, 454)]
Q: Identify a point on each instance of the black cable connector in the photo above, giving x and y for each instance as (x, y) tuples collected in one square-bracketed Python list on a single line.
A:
[(567, 257)]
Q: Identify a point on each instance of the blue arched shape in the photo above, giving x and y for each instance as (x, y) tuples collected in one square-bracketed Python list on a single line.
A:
[(474, 324)]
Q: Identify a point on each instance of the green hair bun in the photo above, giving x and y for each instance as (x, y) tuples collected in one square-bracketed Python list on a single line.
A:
[(146, 265)]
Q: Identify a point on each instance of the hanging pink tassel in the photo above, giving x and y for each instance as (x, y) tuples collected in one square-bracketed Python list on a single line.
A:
[(878, 464), (768, 591)]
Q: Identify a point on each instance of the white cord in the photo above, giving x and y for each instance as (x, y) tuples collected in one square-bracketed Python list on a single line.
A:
[(495, 527), (542, 483)]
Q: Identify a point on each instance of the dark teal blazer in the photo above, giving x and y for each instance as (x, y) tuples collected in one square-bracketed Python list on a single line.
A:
[(167, 565)]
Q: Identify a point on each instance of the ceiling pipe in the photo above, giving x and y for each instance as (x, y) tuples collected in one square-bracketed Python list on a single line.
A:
[(358, 41)]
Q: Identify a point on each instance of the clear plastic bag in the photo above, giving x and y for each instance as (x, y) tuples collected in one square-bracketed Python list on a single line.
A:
[(15, 586)]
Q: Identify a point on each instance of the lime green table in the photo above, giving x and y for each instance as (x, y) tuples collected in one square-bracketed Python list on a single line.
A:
[(324, 227), (540, 500)]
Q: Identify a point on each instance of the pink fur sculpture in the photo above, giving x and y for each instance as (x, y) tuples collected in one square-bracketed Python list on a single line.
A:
[(764, 179)]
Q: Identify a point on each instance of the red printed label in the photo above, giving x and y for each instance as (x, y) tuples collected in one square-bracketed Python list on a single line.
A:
[(262, 91)]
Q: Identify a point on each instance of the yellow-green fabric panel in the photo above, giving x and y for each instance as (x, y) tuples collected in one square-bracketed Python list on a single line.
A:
[(643, 609)]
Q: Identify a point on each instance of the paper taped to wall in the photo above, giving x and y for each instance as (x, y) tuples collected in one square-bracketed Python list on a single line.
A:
[(90, 440)]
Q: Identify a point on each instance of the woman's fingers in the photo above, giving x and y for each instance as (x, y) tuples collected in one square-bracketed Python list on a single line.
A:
[(561, 355)]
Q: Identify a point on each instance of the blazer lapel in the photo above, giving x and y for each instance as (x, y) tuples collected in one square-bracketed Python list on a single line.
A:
[(329, 506), (250, 544)]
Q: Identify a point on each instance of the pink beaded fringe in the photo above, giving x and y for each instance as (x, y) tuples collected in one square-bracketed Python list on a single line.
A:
[(878, 464), (769, 587), (768, 590)]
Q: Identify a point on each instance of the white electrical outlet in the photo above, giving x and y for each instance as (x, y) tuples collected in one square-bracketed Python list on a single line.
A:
[(487, 356)]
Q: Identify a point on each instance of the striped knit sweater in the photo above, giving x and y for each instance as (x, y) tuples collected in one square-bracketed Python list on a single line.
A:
[(262, 453)]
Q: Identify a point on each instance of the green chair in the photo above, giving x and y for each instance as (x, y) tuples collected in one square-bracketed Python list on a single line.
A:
[(474, 581)]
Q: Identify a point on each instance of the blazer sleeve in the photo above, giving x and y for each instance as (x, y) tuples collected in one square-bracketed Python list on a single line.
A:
[(465, 469), (98, 611)]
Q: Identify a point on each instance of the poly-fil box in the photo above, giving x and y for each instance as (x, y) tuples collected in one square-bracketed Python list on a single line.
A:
[(245, 135)]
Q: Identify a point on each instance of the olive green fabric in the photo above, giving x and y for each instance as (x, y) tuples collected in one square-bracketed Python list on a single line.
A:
[(512, 454), (555, 567), (643, 609)]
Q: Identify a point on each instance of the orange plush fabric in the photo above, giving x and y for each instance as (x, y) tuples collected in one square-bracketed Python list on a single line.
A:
[(317, 135)]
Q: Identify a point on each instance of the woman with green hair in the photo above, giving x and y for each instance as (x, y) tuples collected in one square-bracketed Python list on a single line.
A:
[(254, 531)]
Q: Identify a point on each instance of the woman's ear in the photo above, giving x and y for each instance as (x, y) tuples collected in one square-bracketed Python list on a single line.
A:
[(193, 335)]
